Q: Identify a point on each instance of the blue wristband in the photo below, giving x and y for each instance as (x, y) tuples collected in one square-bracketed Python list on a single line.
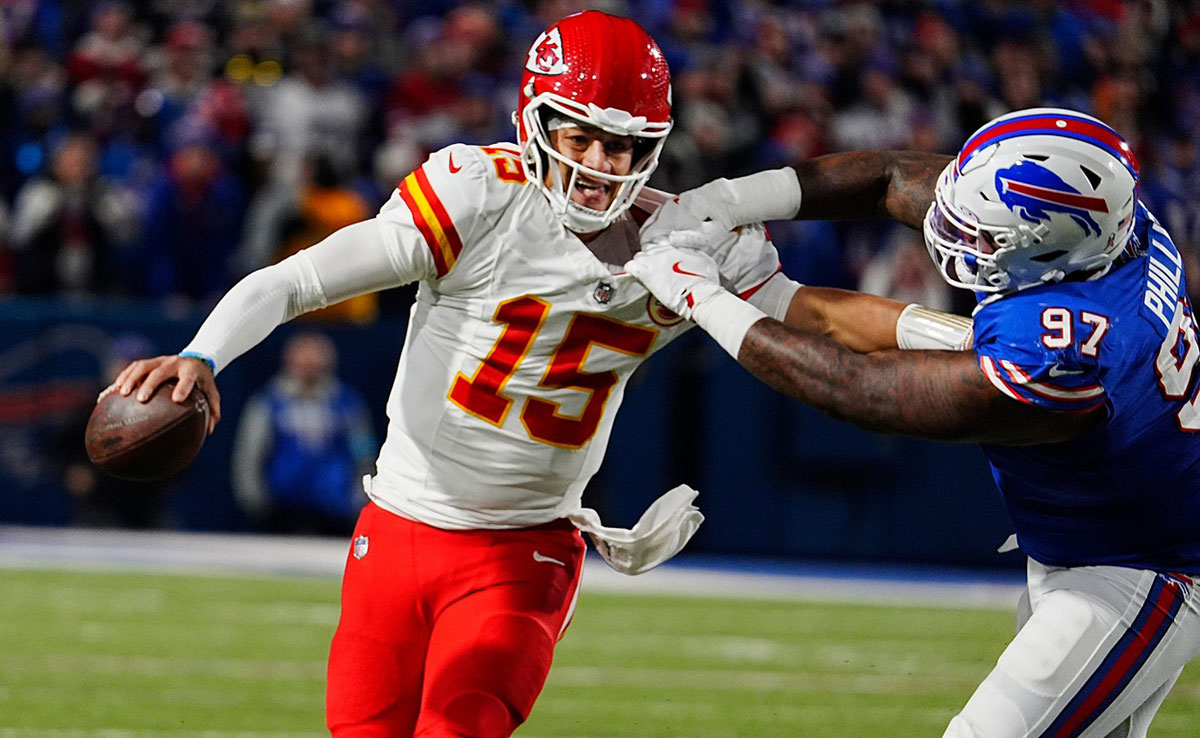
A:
[(206, 359)]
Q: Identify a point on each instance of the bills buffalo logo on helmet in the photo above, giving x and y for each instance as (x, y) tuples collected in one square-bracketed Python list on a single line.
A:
[(1034, 192), (545, 56)]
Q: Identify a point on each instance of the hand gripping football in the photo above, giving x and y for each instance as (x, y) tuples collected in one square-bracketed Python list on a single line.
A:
[(146, 441)]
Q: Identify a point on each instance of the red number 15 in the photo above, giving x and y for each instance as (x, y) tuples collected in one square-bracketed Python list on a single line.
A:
[(483, 395)]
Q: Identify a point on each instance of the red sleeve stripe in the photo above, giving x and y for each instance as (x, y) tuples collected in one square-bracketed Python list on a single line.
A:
[(1049, 391), (432, 220), (989, 371), (748, 293)]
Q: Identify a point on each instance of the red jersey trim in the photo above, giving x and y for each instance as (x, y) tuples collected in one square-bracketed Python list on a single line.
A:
[(432, 220)]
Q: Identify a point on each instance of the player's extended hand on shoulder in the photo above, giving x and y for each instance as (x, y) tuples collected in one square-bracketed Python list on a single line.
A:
[(728, 203), (710, 238), (143, 376), (680, 278), (691, 210)]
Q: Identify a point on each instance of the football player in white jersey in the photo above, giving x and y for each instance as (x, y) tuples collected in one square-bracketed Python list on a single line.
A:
[(465, 565)]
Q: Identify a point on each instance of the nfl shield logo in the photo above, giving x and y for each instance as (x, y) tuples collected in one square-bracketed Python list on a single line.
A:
[(360, 547), (604, 292)]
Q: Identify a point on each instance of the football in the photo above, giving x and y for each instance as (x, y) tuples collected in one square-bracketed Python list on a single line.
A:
[(146, 441)]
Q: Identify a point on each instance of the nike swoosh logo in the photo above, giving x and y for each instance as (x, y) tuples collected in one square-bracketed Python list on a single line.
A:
[(675, 268), (1055, 371), (453, 169), (537, 556)]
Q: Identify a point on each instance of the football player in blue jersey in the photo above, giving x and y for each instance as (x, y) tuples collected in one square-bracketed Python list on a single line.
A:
[(1081, 388)]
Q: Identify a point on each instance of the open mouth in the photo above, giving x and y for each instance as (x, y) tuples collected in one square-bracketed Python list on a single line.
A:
[(591, 192)]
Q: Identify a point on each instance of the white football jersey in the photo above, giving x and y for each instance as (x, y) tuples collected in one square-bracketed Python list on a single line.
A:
[(519, 345)]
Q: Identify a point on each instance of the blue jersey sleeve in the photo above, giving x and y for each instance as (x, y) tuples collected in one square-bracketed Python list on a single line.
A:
[(1039, 348)]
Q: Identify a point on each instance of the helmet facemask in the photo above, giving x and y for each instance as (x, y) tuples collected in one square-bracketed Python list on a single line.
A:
[(546, 113), (969, 254)]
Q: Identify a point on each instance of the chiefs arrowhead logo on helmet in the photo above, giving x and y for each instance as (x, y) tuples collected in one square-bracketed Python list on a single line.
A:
[(546, 56)]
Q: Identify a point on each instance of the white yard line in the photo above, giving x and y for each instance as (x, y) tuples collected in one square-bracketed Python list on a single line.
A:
[(209, 553)]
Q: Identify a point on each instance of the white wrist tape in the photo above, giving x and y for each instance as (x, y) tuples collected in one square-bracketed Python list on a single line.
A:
[(727, 318), (920, 327), (770, 195)]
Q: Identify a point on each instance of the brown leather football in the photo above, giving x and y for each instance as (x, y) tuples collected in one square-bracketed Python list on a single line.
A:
[(146, 441)]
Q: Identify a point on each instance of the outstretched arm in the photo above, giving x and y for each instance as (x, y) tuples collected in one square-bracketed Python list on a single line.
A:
[(354, 260), (941, 395), (865, 184), (866, 323), (854, 185), (858, 321)]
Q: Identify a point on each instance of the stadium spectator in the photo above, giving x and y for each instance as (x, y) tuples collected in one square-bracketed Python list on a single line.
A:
[(180, 77), (37, 87), (192, 221), (67, 227), (107, 65), (882, 114), (309, 112), (302, 446), (326, 205)]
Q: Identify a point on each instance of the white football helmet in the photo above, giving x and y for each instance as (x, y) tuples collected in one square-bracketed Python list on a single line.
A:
[(596, 70), (1033, 196)]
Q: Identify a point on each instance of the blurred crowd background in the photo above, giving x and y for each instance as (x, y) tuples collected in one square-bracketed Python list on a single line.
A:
[(163, 149), (152, 153)]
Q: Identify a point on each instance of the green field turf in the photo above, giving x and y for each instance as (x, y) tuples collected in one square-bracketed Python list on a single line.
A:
[(91, 655)]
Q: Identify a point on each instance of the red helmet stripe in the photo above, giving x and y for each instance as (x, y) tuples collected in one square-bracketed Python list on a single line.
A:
[(1054, 125), (1059, 197)]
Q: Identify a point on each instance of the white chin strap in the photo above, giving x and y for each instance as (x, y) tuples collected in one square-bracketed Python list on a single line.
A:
[(579, 219)]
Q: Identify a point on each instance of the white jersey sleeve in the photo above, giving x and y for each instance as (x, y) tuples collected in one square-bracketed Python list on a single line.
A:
[(352, 261), (415, 236), (749, 261), (444, 204)]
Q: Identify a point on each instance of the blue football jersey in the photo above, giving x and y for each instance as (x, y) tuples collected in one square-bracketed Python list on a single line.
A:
[(1127, 492)]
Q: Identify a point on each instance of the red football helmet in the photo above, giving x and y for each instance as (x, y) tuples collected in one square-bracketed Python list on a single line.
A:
[(602, 71)]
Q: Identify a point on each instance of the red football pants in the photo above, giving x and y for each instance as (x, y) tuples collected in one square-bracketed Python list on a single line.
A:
[(447, 634)]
